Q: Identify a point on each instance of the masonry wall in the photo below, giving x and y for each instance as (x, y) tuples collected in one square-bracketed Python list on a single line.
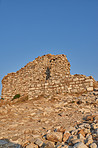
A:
[(46, 75)]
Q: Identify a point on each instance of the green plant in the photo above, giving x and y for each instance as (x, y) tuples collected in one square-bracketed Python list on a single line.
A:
[(16, 96), (79, 102), (2, 98), (73, 102)]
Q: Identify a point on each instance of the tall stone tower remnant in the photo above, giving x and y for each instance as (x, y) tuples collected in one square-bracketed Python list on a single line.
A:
[(46, 75)]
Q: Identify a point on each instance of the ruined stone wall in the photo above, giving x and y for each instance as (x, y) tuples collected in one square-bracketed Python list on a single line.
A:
[(46, 75)]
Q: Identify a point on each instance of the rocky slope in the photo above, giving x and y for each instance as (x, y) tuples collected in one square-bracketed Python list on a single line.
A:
[(62, 121)]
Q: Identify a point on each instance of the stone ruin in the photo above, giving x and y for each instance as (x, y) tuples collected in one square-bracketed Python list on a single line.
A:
[(46, 75)]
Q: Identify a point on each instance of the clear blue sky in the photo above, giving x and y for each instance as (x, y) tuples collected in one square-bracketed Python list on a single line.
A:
[(32, 28)]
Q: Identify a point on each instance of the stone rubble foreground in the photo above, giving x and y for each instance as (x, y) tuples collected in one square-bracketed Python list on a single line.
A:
[(68, 121)]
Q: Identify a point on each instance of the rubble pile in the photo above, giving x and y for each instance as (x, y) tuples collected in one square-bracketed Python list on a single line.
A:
[(64, 121)]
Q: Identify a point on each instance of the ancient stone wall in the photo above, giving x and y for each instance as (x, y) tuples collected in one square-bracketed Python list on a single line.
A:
[(46, 75)]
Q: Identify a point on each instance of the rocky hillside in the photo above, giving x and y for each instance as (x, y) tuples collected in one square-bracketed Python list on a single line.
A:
[(44, 106), (61, 121)]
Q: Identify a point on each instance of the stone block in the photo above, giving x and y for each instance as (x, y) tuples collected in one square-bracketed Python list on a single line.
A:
[(75, 79), (91, 84), (74, 90), (89, 140), (32, 146), (81, 132), (38, 142), (55, 136), (90, 89), (80, 145), (66, 136), (93, 145)]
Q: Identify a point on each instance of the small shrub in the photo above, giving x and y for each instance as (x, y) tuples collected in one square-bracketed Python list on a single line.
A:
[(16, 96), (79, 102), (73, 102), (2, 98)]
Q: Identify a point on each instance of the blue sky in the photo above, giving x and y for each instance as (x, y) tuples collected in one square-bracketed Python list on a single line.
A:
[(32, 28)]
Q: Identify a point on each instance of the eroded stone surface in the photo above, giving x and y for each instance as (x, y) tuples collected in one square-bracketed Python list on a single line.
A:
[(46, 75), (26, 122)]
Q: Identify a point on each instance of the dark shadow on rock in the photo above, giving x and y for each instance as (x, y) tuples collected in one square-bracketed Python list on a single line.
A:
[(5, 143)]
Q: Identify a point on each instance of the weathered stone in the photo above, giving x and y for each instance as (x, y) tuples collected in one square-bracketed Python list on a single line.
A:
[(60, 129), (90, 118), (94, 126), (4, 143), (75, 141), (59, 146), (95, 89), (32, 146), (80, 136), (66, 136), (96, 118), (89, 140), (87, 126), (90, 89), (74, 132), (38, 142), (71, 128), (86, 131), (54, 136), (95, 93), (81, 132), (96, 100), (80, 145), (91, 83), (66, 146), (27, 131), (46, 75), (93, 145), (49, 145), (14, 138)]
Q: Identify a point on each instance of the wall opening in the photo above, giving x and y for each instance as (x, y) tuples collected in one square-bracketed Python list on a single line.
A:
[(47, 73)]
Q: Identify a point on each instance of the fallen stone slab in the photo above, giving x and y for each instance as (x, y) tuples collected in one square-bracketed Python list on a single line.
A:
[(93, 145), (80, 145), (55, 136), (5, 143)]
